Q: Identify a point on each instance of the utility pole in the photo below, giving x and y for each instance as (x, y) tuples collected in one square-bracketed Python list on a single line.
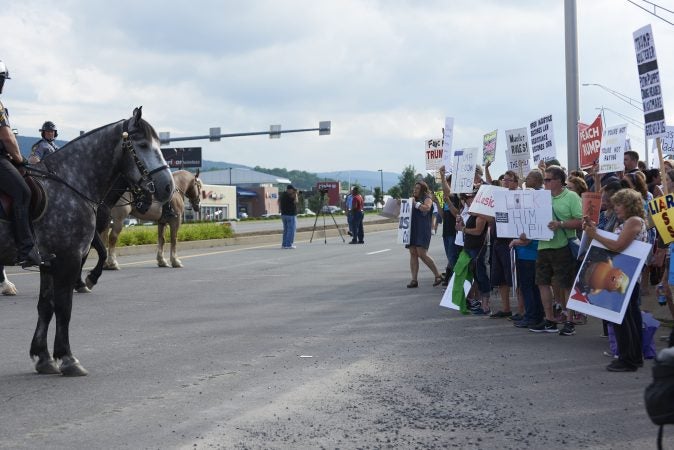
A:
[(572, 110)]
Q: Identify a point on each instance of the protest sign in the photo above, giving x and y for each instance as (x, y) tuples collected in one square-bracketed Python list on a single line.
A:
[(391, 208), (612, 152), (433, 153), (661, 211), (447, 298), (667, 141), (523, 211), (606, 279), (489, 147), (405, 220), (589, 138), (484, 202), (653, 156), (649, 82), (518, 153), (591, 205), (463, 170), (542, 139), (447, 137)]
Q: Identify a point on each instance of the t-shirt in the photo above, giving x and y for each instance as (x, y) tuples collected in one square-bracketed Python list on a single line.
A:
[(566, 206), (287, 204), (448, 219), (357, 203)]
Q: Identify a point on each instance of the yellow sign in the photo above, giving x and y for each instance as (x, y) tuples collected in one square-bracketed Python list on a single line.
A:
[(662, 212)]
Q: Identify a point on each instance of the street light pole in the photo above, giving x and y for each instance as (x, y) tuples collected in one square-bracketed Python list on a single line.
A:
[(571, 56), (381, 179)]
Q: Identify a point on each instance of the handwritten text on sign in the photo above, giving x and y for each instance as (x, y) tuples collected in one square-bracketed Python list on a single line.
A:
[(649, 81), (662, 213), (523, 211), (405, 220), (611, 156), (463, 170), (518, 153), (433, 154), (542, 139)]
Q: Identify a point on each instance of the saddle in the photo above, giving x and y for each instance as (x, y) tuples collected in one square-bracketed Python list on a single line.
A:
[(38, 199)]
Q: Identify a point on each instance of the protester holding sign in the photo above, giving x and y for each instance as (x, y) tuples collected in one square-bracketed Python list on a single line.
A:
[(420, 238), (556, 265), (628, 207), (451, 210)]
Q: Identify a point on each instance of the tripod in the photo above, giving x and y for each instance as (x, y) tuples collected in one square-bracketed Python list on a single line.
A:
[(321, 211)]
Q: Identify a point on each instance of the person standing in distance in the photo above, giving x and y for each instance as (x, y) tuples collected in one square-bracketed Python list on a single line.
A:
[(46, 145), (288, 205), (357, 216), (14, 185)]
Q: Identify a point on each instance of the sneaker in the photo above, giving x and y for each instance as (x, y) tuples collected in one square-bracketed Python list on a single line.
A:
[(619, 366), (521, 324), (293, 246), (579, 318), (568, 329), (473, 304), (501, 314), (516, 317), (545, 326), (479, 312)]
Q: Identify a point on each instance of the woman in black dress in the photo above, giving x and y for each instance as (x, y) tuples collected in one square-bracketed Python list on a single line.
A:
[(420, 237)]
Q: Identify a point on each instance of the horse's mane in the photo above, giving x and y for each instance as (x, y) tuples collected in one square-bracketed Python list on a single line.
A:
[(146, 127)]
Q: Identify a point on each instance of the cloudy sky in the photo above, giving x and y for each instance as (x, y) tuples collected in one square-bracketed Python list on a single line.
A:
[(386, 73)]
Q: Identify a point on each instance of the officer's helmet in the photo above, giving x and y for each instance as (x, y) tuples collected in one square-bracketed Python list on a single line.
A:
[(49, 126)]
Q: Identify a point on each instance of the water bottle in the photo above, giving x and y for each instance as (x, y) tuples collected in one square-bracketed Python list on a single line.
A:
[(662, 298)]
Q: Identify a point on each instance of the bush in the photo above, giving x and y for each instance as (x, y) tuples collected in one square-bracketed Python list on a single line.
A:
[(188, 232)]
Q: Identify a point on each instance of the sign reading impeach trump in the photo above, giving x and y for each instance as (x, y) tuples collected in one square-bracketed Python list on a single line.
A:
[(523, 211)]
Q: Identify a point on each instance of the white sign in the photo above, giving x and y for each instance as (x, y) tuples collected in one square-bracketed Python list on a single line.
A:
[(667, 142), (649, 82), (433, 155), (447, 296), (542, 140), (517, 151), (484, 202), (405, 220), (463, 170), (605, 281), (612, 151), (447, 137), (523, 211)]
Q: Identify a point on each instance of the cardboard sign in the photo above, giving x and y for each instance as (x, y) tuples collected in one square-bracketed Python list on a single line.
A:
[(591, 205), (589, 138), (606, 279), (484, 202), (463, 170), (518, 153), (489, 147), (523, 211), (649, 82), (667, 142), (391, 209), (542, 140), (612, 153), (433, 153), (447, 138), (405, 220), (662, 213)]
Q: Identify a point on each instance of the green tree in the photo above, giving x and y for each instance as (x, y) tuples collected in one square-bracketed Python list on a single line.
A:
[(406, 182), (395, 192), (432, 184), (378, 195)]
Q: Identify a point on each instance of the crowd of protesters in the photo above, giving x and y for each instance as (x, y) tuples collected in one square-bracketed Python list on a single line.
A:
[(546, 270)]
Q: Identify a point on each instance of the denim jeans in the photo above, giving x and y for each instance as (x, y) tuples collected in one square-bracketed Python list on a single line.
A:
[(289, 227), (357, 226), (526, 281), (451, 250), (478, 255)]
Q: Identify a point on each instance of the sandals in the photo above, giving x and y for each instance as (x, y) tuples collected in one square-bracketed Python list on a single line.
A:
[(413, 284), (437, 281)]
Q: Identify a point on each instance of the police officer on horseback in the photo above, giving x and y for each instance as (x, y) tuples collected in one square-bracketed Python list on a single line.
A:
[(46, 145), (12, 182)]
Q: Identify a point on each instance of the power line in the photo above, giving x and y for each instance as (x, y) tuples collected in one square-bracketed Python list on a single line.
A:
[(655, 9)]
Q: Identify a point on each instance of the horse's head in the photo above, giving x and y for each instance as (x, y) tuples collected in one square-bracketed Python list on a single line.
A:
[(193, 192), (145, 167)]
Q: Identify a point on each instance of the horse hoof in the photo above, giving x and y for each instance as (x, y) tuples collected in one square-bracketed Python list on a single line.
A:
[(8, 288), (162, 263), (176, 264), (89, 282), (83, 290), (113, 266), (71, 367), (47, 367)]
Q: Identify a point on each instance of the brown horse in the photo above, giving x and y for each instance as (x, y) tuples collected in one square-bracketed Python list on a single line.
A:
[(187, 185)]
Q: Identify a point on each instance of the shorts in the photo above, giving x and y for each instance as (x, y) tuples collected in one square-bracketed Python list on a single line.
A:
[(555, 267), (501, 272)]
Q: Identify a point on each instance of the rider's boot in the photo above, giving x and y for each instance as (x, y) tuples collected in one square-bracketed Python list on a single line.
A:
[(27, 252), (167, 211)]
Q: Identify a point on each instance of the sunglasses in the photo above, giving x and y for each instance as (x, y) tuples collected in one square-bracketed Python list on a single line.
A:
[(547, 180)]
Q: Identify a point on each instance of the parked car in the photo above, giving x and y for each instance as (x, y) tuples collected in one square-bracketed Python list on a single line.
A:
[(270, 216), (308, 212), (330, 209)]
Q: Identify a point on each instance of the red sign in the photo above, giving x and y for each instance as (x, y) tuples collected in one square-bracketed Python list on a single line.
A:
[(331, 188), (589, 142)]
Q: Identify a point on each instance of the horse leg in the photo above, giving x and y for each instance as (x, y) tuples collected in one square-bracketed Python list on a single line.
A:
[(6, 286), (95, 273), (111, 262), (173, 227), (80, 286), (45, 310), (64, 281), (161, 262)]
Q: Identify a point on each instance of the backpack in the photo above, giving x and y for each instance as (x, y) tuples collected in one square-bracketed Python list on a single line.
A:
[(659, 395)]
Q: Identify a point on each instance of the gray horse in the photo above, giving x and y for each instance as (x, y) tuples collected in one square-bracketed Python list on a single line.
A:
[(76, 179)]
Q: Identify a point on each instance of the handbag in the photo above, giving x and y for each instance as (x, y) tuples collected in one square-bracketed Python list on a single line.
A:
[(659, 395)]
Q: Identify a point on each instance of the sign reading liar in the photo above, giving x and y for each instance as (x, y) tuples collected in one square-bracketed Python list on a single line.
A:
[(611, 155), (447, 137), (405, 220), (523, 212), (649, 82), (589, 137), (463, 170), (518, 154), (542, 139), (662, 213)]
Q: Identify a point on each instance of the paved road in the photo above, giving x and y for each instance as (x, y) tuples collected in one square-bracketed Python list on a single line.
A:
[(247, 226), (318, 347)]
